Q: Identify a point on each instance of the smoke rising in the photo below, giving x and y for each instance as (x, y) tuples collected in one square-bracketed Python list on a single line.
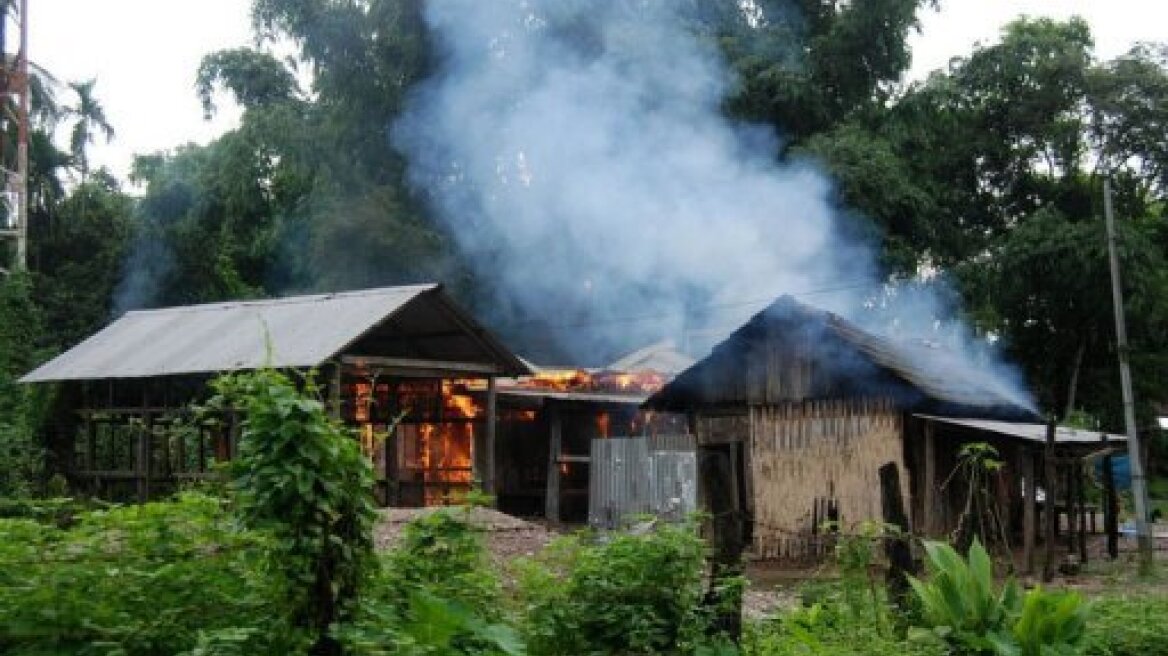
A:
[(578, 152)]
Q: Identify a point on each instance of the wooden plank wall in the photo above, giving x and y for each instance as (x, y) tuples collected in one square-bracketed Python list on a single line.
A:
[(813, 459)]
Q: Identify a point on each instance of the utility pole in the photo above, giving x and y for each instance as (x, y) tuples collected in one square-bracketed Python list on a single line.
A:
[(15, 97), (1138, 481)]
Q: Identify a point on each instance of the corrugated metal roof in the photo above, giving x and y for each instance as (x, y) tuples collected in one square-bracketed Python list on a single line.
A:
[(1028, 431), (824, 356), (662, 357), (293, 332)]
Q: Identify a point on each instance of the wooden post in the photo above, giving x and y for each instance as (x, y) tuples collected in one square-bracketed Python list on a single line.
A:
[(334, 391), (181, 456), (1110, 506), (90, 443), (1080, 487), (144, 457), (929, 492), (896, 548), (202, 464), (552, 502), (716, 477), (491, 483), (1072, 516), (1051, 516), (1029, 508)]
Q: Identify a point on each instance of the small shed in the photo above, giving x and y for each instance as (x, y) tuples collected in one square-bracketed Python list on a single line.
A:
[(549, 422), (396, 352), (797, 410)]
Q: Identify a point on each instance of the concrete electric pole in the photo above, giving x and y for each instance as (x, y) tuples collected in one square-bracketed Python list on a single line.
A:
[(1139, 483)]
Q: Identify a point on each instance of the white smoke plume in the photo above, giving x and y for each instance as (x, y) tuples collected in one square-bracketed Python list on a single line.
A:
[(578, 151)]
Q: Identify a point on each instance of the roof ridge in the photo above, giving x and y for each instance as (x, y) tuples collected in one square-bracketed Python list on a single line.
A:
[(282, 300)]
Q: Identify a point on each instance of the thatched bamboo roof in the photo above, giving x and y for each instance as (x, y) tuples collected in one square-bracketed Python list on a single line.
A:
[(793, 352)]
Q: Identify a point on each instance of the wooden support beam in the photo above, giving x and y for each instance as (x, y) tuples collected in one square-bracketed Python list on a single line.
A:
[(1081, 498), (490, 485), (552, 502), (1072, 516), (181, 456), (896, 548), (90, 444), (202, 464), (455, 367), (727, 537), (1110, 507), (929, 493), (1051, 515), (1029, 510), (144, 456)]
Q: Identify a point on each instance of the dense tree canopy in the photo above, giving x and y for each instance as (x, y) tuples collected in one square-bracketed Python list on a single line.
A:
[(987, 176)]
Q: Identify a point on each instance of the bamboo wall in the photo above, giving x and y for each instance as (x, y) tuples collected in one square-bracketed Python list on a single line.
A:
[(812, 460)]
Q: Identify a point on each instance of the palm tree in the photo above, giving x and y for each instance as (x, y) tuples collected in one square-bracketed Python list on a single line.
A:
[(90, 116)]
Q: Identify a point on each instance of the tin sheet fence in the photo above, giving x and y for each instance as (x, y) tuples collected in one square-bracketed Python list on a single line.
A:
[(654, 475)]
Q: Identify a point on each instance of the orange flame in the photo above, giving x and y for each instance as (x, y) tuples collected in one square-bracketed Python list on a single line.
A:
[(580, 380), (602, 424)]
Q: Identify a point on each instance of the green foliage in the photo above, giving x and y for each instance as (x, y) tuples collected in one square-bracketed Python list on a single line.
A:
[(145, 579), (444, 555), (856, 554), (434, 594), (256, 79), (1128, 625), (302, 478), (828, 627), (21, 455), (962, 607), (960, 602), (1050, 623), (619, 593)]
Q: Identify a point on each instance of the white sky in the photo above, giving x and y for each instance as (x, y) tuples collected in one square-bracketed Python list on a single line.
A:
[(144, 53)]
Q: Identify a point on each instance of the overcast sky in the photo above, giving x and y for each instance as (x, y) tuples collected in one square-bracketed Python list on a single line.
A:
[(144, 53)]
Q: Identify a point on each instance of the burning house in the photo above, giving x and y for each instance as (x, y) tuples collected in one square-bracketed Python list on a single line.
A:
[(797, 410), (549, 420), (399, 355)]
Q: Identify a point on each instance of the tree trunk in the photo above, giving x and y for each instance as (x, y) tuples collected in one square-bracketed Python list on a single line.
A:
[(1073, 386)]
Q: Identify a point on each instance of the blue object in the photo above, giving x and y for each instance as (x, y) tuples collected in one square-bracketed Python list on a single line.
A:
[(1120, 469)]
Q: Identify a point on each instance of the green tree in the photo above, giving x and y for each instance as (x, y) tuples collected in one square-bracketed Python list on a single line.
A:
[(806, 67), (89, 121), (301, 477), (1011, 145), (21, 328)]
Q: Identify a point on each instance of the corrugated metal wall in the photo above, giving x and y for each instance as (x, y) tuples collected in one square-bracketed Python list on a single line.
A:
[(654, 475)]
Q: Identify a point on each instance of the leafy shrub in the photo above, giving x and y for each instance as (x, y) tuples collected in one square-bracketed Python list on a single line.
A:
[(301, 477), (443, 555), (828, 626), (962, 608), (1123, 625), (959, 601), (623, 594), (1050, 623), (133, 580), (434, 594)]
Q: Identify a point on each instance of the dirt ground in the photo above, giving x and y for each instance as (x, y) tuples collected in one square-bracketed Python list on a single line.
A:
[(507, 537)]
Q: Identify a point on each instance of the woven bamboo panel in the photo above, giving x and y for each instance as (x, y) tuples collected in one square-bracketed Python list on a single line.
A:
[(818, 459)]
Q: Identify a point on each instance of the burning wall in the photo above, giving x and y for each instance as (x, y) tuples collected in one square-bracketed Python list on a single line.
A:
[(429, 458)]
